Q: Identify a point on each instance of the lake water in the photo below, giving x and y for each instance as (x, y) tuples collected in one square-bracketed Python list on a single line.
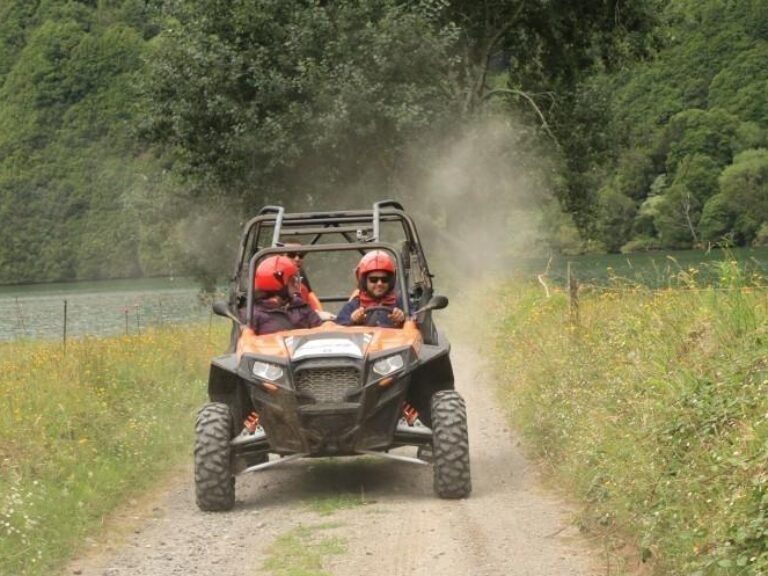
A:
[(655, 269), (98, 308), (129, 306)]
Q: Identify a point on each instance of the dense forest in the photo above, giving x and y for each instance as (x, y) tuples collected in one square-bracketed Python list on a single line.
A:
[(135, 133)]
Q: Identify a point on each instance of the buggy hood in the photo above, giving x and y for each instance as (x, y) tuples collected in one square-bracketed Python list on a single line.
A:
[(329, 340)]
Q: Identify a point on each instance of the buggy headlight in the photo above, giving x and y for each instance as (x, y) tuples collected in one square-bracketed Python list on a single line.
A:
[(388, 365), (266, 370)]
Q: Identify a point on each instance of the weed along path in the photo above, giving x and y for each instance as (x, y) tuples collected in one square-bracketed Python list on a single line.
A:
[(364, 516)]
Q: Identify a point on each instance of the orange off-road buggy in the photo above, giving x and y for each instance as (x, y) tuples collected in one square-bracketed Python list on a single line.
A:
[(332, 390)]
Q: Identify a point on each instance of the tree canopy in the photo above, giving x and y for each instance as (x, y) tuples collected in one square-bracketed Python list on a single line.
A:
[(127, 126), (683, 116), (291, 99)]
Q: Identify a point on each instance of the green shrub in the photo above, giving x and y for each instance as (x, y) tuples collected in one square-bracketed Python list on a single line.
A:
[(717, 219), (762, 236), (744, 186), (634, 174), (651, 410), (615, 215), (641, 244), (711, 133), (740, 87)]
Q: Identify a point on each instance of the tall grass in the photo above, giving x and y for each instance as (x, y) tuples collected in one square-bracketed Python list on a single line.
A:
[(652, 409), (82, 430)]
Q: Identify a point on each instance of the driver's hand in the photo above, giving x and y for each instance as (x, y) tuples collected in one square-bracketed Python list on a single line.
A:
[(325, 316), (358, 316), (397, 316)]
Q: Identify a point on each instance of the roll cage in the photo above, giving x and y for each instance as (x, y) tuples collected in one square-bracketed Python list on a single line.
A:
[(360, 230)]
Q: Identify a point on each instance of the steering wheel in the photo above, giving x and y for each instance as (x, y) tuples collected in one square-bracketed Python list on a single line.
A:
[(387, 309), (371, 310)]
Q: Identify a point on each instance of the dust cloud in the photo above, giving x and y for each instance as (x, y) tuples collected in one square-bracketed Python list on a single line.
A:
[(478, 197), (207, 239)]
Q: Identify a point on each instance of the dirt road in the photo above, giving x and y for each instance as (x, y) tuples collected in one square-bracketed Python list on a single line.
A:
[(353, 517)]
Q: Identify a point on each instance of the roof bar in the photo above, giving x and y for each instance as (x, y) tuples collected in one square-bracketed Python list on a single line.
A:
[(279, 211), (377, 206), (326, 230)]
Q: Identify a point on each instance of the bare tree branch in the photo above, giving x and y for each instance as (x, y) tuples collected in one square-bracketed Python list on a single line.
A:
[(530, 101), (542, 277), (687, 211)]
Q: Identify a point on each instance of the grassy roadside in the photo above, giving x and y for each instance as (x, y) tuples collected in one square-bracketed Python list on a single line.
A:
[(80, 431), (652, 410)]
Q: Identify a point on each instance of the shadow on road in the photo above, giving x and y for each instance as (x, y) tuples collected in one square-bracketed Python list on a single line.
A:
[(367, 478)]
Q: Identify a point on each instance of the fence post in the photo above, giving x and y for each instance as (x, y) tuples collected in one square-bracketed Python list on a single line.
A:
[(20, 314), (125, 311), (573, 297), (138, 323), (65, 326)]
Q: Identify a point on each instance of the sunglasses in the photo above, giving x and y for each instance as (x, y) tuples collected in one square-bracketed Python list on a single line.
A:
[(378, 280), (294, 255)]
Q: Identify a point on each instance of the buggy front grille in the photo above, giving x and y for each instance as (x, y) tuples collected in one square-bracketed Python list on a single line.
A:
[(327, 384)]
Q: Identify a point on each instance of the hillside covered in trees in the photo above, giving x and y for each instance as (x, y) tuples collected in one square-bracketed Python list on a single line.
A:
[(77, 188), (131, 130), (684, 161)]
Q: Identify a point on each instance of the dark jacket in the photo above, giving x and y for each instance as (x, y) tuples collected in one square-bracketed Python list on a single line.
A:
[(377, 317), (269, 316)]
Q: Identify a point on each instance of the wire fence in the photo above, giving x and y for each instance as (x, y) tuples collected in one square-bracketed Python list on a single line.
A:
[(722, 270), (729, 277), (72, 315)]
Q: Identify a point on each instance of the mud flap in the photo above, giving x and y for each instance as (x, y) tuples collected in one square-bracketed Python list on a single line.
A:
[(225, 386), (434, 374)]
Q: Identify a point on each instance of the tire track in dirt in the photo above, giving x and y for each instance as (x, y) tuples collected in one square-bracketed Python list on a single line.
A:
[(507, 527)]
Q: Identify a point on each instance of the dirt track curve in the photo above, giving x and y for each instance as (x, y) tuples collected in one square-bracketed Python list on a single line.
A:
[(395, 526)]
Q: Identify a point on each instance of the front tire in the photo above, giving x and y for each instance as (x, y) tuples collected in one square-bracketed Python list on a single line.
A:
[(450, 443), (214, 480)]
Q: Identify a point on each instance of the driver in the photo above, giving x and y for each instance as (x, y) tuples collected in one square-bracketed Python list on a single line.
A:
[(277, 305), (376, 303)]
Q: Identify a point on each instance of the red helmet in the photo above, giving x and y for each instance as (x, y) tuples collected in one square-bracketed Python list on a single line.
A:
[(273, 273), (375, 260)]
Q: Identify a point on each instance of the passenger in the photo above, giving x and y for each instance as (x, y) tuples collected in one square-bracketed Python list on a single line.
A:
[(277, 305), (376, 289), (305, 288)]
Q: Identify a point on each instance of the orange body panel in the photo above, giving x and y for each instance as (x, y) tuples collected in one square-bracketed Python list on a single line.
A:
[(382, 338), (387, 338)]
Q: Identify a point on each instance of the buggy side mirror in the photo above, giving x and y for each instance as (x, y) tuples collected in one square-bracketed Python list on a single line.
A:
[(222, 309), (437, 302)]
